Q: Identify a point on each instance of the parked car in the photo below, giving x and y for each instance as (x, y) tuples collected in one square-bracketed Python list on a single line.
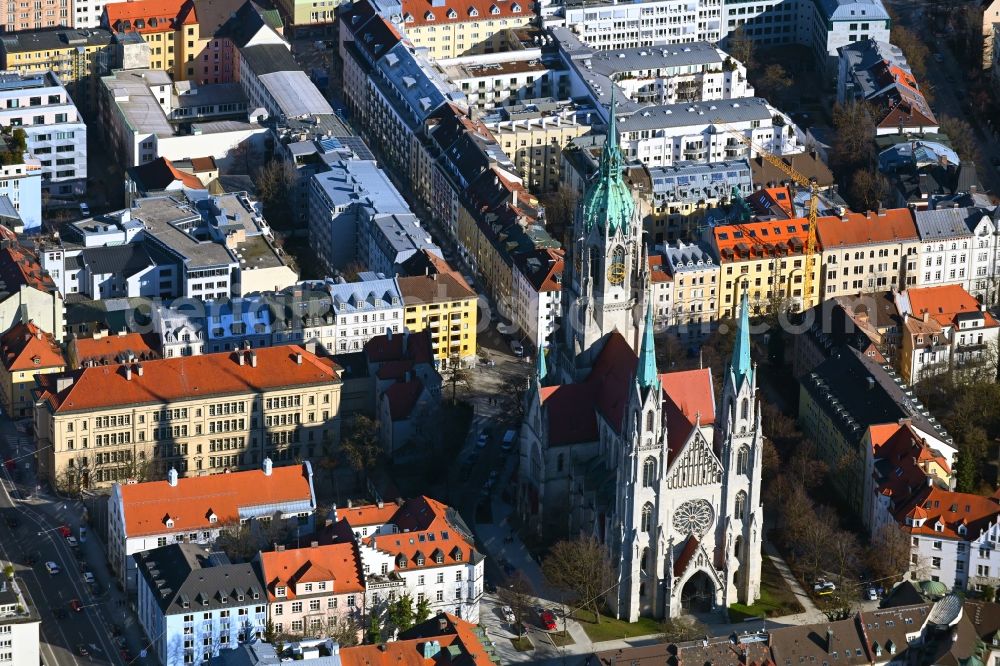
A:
[(484, 437), (52, 568), (508, 440), (75, 606), (84, 210), (72, 542), (88, 578), (508, 615), (65, 531), (82, 650), (548, 620), (517, 348), (871, 594), (824, 587)]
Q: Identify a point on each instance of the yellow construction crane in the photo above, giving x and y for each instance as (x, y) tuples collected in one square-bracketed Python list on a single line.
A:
[(800, 180)]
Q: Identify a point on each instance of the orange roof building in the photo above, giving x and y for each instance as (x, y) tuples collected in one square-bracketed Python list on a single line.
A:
[(865, 252), (172, 30), (445, 640), (768, 260), (462, 25), (27, 351), (198, 414), (143, 516), (105, 348)]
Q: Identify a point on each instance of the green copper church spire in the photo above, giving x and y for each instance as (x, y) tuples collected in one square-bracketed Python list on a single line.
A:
[(740, 363), (647, 376), (608, 202)]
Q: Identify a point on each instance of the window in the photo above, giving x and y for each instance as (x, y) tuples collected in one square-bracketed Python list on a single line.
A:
[(743, 460), (647, 517), (741, 504), (649, 472)]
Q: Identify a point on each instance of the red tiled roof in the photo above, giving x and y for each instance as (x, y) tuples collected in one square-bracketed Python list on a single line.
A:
[(688, 398), (190, 503), (27, 347), (111, 347), (172, 379), (339, 562), (383, 348), (424, 529), (19, 266), (756, 240), (901, 453), (864, 228), (418, 13), (570, 411), (951, 509), (161, 173), (435, 288), (368, 514), (943, 303), (690, 546), (459, 642), (148, 16), (403, 397)]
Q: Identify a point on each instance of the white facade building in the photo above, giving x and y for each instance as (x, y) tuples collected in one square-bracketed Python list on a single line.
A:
[(200, 507), (535, 306), (19, 623), (960, 246), (610, 24), (664, 134), (56, 133), (274, 82), (195, 604)]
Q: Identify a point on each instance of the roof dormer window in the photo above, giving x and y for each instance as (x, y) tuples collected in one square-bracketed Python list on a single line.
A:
[(429, 16), (494, 10), (408, 18), (473, 11), (279, 591), (170, 522), (516, 8), (452, 14), (939, 526)]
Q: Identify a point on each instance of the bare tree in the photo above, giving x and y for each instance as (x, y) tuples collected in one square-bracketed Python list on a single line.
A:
[(345, 632), (963, 138), (519, 596), (913, 48), (683, 628), (514, 391), (853, 146), (888, 556), (773, 81), (359, 444), (869, 189), (276, 182), (582, 568), (740, 47), (560, 209)]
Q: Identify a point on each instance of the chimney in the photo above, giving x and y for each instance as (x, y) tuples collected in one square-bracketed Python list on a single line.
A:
[(927, 316), (172, 478), (314, 544), (128, 372), (298, 358), (829, 640), (442, 622), (267, 466), (138, 369), (381, 647), (253, 358), (242, 359), (311, 346), (38, 334), (380, 504)]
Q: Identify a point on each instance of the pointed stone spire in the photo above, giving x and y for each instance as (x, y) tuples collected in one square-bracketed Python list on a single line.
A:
[(647, 376), (611, 156), (740, 363)]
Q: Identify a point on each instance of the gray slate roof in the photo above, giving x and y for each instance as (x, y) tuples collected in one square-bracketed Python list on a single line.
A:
[(946, 222), (696, 113), (187, 574), (269, 58)]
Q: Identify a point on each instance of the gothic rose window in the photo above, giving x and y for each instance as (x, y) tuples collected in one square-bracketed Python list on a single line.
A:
[(694, 517)]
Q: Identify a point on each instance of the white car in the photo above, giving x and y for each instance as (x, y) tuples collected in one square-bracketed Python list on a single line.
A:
[(517, 348), (824, 587), (871, 594), (71, 540), (84, 210), (88, 578), (508, 615), (52, 568)]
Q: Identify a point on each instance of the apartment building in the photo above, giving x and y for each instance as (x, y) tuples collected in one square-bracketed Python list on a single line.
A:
[(447, 307), (312, 590), (960, 246), (20, 185), (533, 135), (146, 515), (420, 547), (145, 115), (76, 56), (660, 135), (26, 351), (870, 252), (767, 260), (195, 604), (537, 302), (609, 24), (450, 28), (19, 623), (169, 27), (681, 194), (493, 80), (104, 424), (658, 74), (30, 294), (56, 134), (44, 14), (695, 273), (945, 330)]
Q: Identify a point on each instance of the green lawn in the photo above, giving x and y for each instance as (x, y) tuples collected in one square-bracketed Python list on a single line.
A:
[(560, 638), (776, 598), (610, 629), (522, 644)]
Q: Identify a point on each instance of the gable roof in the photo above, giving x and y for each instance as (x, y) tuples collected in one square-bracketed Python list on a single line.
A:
[(148, 16), (27, 347), (182, 378), (688, 398), (948, 510), (945, 303), (338, 562), (418, 13), (458, 643), (111, 348), (403, 397), (424, 527), (864, 228), (193, 500), (158, 175)]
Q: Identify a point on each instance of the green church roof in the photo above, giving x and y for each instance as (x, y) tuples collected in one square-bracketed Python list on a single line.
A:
[(608, 202)]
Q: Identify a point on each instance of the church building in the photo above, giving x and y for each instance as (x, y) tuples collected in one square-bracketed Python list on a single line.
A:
[(644, 461)]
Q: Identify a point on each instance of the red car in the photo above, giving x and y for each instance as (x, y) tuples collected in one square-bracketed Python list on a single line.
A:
[(65, 531), (548, 620), (75, 606)]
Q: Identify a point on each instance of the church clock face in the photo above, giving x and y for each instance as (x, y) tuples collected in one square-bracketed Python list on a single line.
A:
[(616, 273), (694, 517)]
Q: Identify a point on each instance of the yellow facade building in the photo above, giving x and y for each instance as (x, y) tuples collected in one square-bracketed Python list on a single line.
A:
[(197, 414), (451, 28), (169, 27), (767, 259), (27, 351), (446, 306)]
